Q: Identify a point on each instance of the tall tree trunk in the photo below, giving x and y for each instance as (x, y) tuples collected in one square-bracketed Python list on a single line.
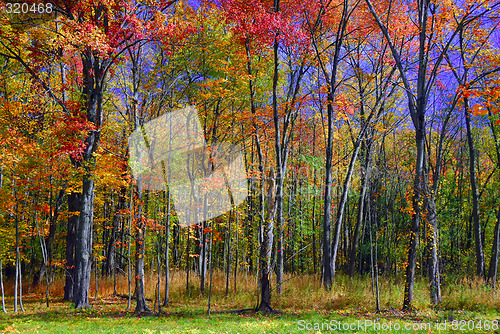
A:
[(167, 246), (342, 204), (1, 267), (74, 207), (265, 228), (210, 268), (175, 247), (417, 104), (202, 259), (19, 277), (111, 247), (237, 248), (94, 73), (228, 251), (280, 169), (83, 249), (493, 270), (188, 239), (328, 257), (1, 264), (266, 246), (50, 238), (480, 268), (365, 150), (140, 250), (1, 286), (158, 259), (16, 285), (373, 256), (418, 194), (327, 273), (129, 246), (432, 240)]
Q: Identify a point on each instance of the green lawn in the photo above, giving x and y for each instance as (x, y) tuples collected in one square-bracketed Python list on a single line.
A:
[(108, 315)]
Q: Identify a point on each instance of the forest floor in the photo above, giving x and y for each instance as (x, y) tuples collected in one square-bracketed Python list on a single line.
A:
[(304, 307)]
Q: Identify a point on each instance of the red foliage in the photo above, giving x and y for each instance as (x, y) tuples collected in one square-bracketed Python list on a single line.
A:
[(257, 22)]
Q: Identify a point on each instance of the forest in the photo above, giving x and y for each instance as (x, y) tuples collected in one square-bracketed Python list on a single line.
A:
[(364, 142)]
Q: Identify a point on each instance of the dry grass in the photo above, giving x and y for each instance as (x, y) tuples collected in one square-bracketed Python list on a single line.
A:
[(471, 294), (303, 292)]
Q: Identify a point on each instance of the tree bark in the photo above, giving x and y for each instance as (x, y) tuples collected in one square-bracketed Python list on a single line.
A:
[(331, 80), (1, 286), (432, 240), (493, 270), (94, 73), (202, 259), (342, 204), (266, 247), (480, 267), (167, 248), (365, 150), (83, 247), (73, 206), (140, 251), (418, 193), (111, 247), (265, 228)]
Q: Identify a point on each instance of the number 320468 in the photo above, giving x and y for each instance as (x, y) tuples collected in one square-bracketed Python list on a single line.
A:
[(25, 8)]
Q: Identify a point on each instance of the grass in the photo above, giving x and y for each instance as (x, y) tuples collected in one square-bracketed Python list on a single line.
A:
[(304, 306)]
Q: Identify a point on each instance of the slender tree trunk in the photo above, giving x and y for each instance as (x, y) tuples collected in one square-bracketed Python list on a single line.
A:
[(52, 229), (228, 252), (140, 250), (73, 207), (328, 253), (314, 247), (480, 268), (237, 247), (187, 258), (44, 255), (203, 253), (418, 194), (327, 272), (175, 247), (167, 246), (265, 229), (361, 206), (493, 269), (18, 284), (158, 259), (373, 259), (1, 285), (1, 264), (129, 246), (342, 204), (210, 268), (280, 161), (432, 239), (266, 247), (111, 247)]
